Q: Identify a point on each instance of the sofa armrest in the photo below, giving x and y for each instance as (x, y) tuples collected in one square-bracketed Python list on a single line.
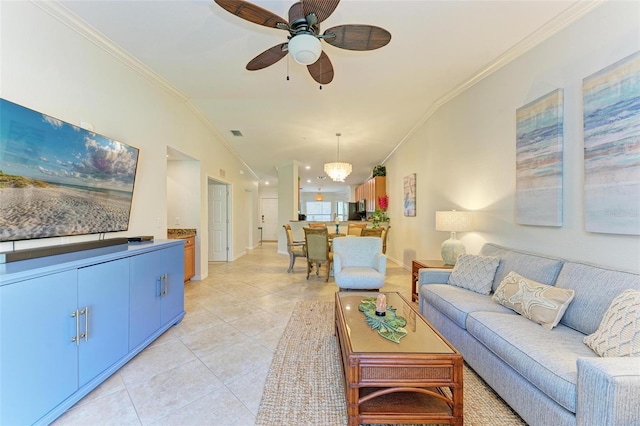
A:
[(433, 276), (608, 390), (381, 263), (337, 263)]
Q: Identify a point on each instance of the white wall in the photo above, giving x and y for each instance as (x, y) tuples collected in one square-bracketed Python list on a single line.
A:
[(49, 67), (464, 155)]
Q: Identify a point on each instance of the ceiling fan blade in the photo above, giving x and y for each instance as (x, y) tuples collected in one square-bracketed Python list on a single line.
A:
[(358, 37), (321, 70), (322, 8), (296, 13), (251, 12), (268, 57)]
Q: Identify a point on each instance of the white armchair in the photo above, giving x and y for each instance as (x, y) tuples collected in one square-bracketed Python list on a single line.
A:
[(358, 263)]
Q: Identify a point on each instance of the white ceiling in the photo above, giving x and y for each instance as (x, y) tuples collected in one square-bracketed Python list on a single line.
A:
[(376, 99)]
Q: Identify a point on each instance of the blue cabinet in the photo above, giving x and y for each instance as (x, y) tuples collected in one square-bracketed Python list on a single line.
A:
[(103, 296), (66, 322), (38, 361), (157, 292)]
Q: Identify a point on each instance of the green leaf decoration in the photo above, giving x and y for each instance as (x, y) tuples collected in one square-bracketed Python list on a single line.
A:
[(390, 326)]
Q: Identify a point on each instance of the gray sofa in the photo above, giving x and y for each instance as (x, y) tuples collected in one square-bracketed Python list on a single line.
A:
[(547, 377)]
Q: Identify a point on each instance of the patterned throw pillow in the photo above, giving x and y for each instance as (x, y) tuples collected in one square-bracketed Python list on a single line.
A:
[(540, 303), (474, 273), (619, 331)]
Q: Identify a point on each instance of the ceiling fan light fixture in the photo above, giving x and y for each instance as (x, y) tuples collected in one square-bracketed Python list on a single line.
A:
[(305, 49)]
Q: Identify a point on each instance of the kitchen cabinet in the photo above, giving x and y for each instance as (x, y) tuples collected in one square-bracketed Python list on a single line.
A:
[(371, 191), (65, 323), (189, 258)]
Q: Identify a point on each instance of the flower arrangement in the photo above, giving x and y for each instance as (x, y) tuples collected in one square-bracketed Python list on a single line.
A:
[(380, 215)]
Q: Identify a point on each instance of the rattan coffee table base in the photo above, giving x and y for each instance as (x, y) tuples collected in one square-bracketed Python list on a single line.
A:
[(399, 387)]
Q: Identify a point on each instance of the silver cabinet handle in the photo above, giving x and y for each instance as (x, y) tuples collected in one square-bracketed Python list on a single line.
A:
[(159, 286), (86, 324), (81, 335), (75, 315), (165, 285)]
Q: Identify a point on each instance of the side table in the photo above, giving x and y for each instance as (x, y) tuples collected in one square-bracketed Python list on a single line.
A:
[(416, 265)]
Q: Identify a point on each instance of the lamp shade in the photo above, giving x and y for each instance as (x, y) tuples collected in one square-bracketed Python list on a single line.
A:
[(305, 49), (338, 171), (453, 221)]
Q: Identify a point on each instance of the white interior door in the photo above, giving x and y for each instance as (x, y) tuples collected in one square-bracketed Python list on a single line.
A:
[(269, 219), (218, 223)]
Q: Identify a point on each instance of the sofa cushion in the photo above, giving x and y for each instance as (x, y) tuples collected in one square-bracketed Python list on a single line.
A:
[(538, 268), (546, 359), (619, 331), (543, 304), (474, 273), (595, 288), (456, 303), (359, 278)]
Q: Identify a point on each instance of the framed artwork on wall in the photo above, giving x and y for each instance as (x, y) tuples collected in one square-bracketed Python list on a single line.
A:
[(611, 108), (539, 147), (409, 189)]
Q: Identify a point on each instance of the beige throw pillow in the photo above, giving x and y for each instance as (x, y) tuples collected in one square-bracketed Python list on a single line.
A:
[(619, 331), (540, 303), (474, 273)]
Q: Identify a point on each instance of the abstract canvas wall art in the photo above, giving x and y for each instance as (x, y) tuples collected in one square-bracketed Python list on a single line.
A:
[(539, 142), (611, 100), (409, 189)]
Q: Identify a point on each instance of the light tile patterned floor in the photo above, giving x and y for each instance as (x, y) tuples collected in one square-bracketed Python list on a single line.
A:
[(210, 369)]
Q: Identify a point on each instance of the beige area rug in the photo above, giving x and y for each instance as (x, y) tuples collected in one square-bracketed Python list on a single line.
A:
[(304, 384)]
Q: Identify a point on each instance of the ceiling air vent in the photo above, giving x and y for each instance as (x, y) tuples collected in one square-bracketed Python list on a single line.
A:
[(237, 133)]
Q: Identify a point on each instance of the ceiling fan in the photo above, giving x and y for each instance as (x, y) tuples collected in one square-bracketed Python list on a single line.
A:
[(304, 37)]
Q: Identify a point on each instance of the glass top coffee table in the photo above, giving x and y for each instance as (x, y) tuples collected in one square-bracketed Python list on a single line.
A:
[(418, 380)]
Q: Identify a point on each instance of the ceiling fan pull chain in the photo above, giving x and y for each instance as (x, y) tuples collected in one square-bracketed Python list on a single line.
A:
[(287, 67)]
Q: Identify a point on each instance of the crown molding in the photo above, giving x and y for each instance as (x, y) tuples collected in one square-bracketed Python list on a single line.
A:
[(557, 24), (71, 20)]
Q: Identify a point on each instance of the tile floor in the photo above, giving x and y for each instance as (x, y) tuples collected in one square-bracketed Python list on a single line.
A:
[(211, 368)]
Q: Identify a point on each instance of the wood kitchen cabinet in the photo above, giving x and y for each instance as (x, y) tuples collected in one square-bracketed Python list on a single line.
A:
[(371, 191), (189, 258)]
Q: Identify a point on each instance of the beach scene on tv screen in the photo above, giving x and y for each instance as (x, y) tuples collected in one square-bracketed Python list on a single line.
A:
[(57, 179)]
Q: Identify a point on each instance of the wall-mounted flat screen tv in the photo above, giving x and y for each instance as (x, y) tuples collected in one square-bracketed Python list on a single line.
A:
[(57, 179)]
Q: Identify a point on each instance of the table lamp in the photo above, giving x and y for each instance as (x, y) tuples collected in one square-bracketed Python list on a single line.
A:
[(452, 221)]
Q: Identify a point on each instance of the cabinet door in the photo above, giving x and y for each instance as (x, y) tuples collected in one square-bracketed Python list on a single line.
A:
[(189, 259), (145, 271), (173, 297), (104, 290), (39, 363)]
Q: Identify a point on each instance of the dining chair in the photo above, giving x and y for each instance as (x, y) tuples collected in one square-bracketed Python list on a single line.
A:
[(317, 242), (317, 225), (385, 233), (294, 248), (370, 232), (355, 228)]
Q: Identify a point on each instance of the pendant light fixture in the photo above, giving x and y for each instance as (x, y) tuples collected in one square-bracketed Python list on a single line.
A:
[(338, 171), (319, 196)]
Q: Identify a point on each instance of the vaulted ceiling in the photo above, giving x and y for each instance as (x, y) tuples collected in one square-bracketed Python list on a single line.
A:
[(377, 98)]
